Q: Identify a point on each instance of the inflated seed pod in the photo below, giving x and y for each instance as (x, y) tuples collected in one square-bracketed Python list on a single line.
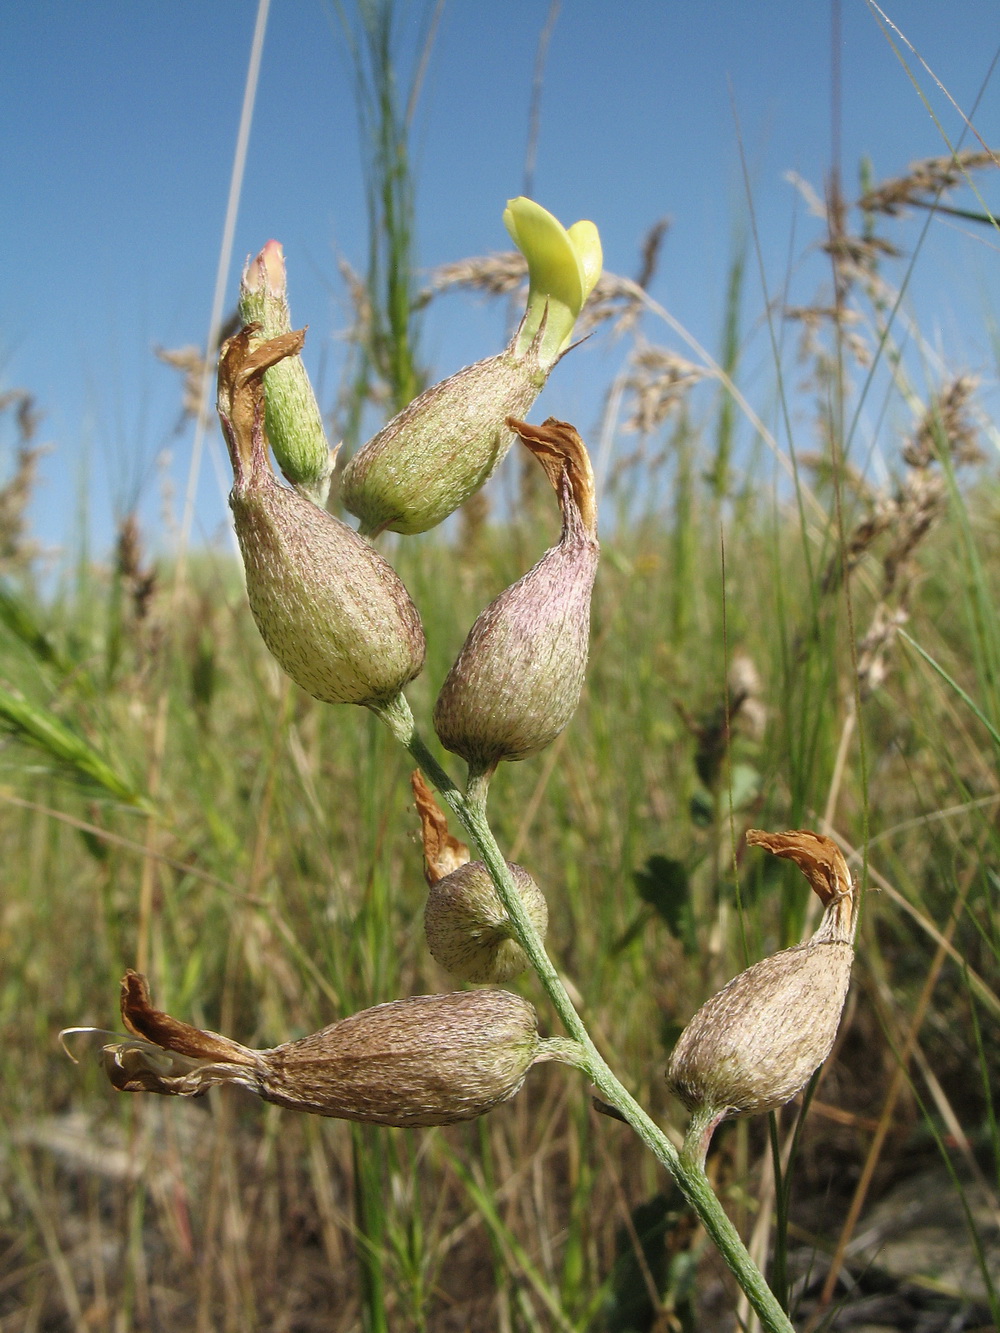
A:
[(755, 1044), (468, 929), (517, 681), (442, 448), (439, 450), (423, 1060), (331, 610)]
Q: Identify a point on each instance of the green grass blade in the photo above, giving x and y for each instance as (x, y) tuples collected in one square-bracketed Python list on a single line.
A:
[(46, 732)]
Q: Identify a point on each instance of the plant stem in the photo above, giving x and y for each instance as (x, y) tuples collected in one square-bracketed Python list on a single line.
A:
[(685, 1168)]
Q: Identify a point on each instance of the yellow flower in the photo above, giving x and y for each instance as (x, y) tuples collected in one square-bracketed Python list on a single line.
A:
[(563, 267)]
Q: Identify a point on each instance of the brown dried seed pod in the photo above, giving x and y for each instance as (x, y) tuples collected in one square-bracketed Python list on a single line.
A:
[(423, 1060), (517, 680), (751, 1047), (331, 610)]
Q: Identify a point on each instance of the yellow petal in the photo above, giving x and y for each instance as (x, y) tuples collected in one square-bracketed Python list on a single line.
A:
[(562, 269), (586, 241), (553, 266)]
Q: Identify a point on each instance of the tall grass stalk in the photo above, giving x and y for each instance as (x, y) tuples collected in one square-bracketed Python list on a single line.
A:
[(387, 350)]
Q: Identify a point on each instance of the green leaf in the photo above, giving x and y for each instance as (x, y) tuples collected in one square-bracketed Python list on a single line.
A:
[(664, 884)]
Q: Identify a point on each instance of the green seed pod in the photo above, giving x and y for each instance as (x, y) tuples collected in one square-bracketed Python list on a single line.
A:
[(446, 444), (755, 1044), (441, 448), (424, 1060), (517, 680), (292, 420), (331, 610)]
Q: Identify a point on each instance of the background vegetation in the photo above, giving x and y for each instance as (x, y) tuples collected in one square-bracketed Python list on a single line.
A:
[(824, 652)]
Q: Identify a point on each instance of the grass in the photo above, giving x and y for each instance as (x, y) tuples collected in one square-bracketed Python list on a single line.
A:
[(287, 890), (167, 796)]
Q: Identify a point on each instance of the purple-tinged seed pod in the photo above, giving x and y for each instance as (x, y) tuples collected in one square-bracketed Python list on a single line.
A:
[(466, 924), (467, 927), (517, 680)]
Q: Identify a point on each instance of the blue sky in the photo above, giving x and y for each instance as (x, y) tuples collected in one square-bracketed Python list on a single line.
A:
[(120, 122)]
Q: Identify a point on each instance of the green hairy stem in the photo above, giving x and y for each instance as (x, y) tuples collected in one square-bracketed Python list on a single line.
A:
[(686, 1167)]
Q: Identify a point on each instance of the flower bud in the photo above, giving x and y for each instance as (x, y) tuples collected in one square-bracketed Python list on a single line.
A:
[(517, 680), (467, 927), (424, 1060), (292, 418), (754, 1045), (446, 444), (332, 611)]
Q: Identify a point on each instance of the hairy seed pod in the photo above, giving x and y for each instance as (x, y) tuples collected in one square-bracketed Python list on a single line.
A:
[(424, 1060), (443, 447), (517, 680), (331, 610), (447, 443), (754, 1045), (467, 927)]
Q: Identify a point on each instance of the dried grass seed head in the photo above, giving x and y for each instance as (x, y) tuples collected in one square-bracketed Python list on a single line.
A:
[(925, 180), (658, 381)]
